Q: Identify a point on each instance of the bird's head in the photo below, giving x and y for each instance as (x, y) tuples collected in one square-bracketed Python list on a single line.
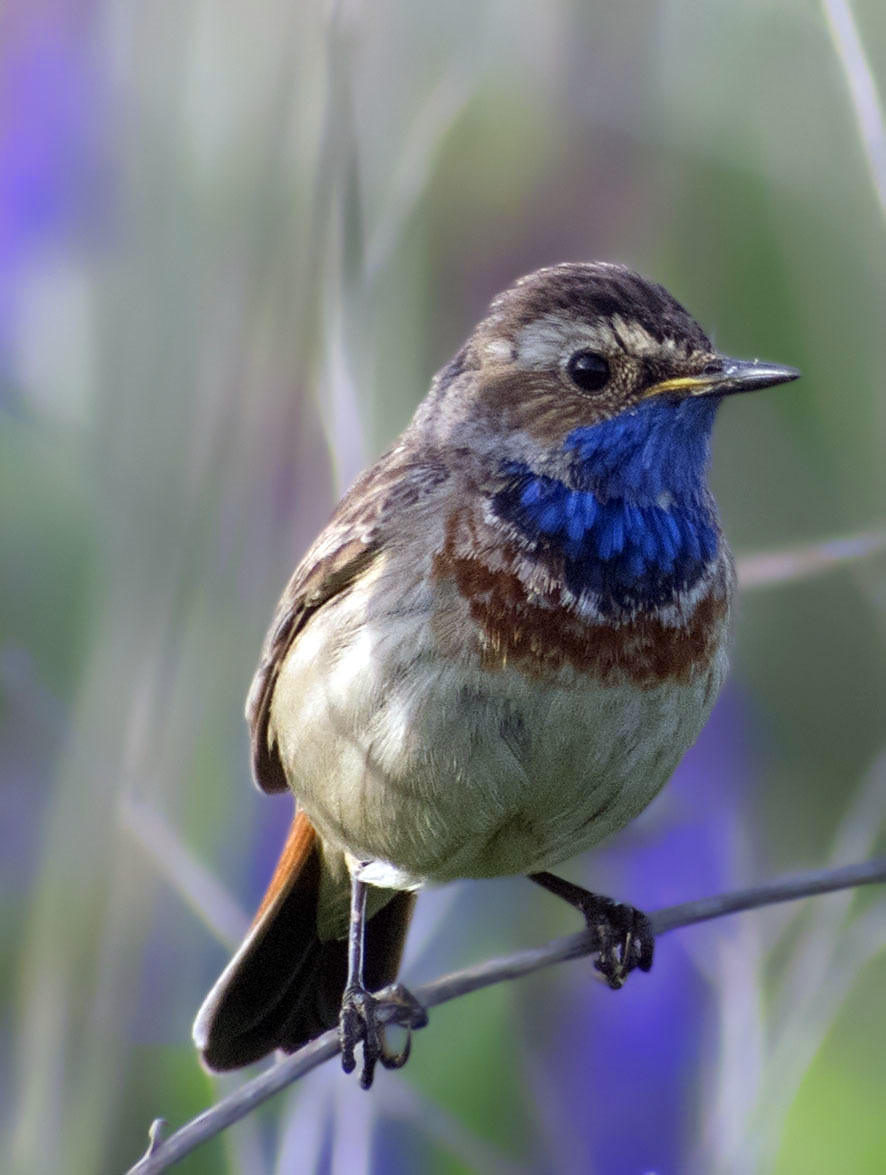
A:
[(590, 373), (588, 394)]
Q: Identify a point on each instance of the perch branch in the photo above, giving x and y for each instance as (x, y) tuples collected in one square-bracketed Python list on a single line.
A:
[(164, 1152)]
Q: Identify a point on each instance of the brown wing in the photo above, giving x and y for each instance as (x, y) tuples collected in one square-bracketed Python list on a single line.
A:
[(351, 540), (303, 597)]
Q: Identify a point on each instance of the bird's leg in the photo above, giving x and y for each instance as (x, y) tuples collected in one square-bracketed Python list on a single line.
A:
[(624, 935), (359, 1018)]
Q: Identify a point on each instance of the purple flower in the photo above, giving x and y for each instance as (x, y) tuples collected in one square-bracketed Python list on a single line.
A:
[(50, 141), (624, 1067)]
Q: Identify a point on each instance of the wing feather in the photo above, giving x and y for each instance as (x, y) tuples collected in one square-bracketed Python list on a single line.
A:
[(351, 541)]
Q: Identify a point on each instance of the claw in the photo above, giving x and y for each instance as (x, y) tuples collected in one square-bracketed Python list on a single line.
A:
[(357, 1012), (625, 939), (361, 1019)]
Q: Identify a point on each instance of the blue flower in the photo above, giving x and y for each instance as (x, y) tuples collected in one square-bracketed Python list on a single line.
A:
[(50, 148)]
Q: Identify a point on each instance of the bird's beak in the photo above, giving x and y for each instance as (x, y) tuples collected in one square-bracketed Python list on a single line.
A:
[(733, 375)]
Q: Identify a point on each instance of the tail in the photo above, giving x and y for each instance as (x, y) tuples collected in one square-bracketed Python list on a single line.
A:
[(285, 983)]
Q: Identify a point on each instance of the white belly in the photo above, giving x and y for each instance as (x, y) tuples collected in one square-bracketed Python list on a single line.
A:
[(437, 768)]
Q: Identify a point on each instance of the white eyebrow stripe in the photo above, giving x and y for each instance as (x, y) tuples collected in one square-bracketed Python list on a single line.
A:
[(498, 349), (619, 338), (545, 342)]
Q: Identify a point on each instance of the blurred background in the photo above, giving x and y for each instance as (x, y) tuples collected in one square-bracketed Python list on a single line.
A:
[(236, 240)]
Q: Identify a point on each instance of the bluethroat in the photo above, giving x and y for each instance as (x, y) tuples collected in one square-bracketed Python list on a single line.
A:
[(495, 654)]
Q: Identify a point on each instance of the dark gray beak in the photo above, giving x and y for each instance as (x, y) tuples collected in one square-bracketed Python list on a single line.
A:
[(746, 375), (727, 377)]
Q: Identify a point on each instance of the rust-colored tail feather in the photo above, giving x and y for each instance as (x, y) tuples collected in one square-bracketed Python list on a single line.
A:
[(284, 985)]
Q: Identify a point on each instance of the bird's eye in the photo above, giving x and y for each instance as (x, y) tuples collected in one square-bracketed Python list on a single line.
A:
[(588, 370)]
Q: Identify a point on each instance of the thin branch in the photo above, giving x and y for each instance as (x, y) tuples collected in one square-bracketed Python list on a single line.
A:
[(162, 1155)]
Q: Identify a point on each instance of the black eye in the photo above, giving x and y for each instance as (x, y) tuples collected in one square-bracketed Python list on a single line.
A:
[(588, 370)]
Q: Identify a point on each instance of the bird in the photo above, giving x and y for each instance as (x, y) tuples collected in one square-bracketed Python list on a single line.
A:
[(493, 656)]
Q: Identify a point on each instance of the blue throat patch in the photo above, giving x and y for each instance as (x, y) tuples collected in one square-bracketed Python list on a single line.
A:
[(636, 525)]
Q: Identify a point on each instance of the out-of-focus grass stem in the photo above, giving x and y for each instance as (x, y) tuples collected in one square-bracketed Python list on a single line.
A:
[(198, 887), (866, 103), (790, 564), (434, 120), (825, 962), (473, 1153)]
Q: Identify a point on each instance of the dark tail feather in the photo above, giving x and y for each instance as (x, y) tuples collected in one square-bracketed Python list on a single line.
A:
[(284, 985)]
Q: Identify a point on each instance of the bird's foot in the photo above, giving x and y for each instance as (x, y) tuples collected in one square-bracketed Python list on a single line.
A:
[(363, 1018), (624, 938)]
